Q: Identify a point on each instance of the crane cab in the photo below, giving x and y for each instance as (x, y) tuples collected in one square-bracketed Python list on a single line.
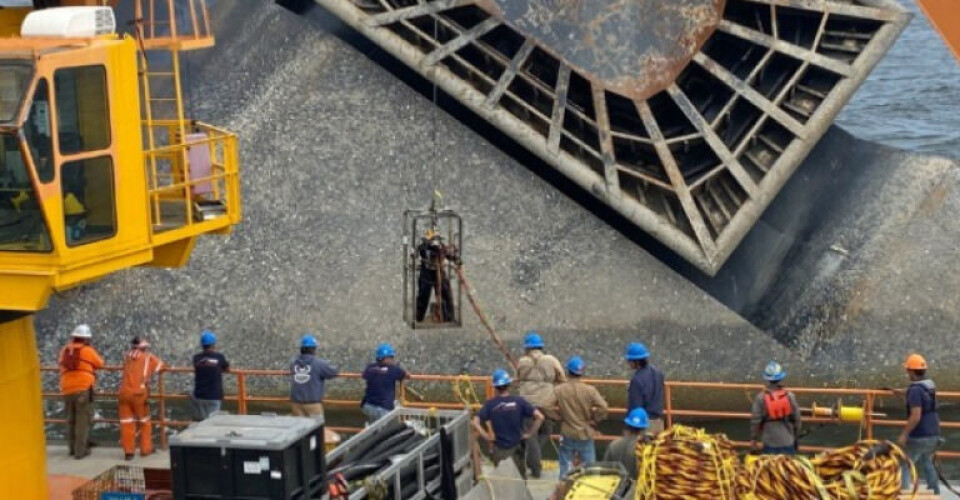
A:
[(90, 181)]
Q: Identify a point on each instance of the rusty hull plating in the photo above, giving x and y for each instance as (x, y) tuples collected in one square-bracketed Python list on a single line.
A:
[(685, 116)]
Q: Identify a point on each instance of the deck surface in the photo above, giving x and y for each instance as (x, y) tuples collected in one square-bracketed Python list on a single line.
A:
[(67, 473)]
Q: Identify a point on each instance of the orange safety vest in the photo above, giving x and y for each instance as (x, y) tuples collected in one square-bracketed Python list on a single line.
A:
[(777, 404), (138, 367), (78, 364)]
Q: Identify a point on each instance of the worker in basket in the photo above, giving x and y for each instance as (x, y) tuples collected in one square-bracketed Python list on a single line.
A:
[(624, 449), (433, 255), (775, 416), (507, 414), (920, 438)]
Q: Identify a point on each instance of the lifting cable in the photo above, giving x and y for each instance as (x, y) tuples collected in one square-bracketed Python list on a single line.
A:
[(483, 318)]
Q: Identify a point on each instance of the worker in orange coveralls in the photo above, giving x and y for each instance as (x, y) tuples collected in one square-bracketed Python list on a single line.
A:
[(139, 366)]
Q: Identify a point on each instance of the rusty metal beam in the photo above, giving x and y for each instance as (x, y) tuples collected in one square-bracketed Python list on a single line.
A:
[(559, 108), (719, 147), (795, 51), (510, 72), (669, 163), (846, 9), (461, 41), (610, 172), (407, 13), (750, 94)]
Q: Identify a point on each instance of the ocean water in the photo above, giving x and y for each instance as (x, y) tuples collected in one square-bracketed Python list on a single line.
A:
[(912, 99)]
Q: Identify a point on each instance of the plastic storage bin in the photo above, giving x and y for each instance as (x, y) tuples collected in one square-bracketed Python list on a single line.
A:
[(250, 457)]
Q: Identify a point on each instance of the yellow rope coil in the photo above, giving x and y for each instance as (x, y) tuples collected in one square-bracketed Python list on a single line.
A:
[(686, 463)]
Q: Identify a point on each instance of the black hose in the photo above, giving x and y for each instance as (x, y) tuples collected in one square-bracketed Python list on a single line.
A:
[(382, 445), (389, 429)]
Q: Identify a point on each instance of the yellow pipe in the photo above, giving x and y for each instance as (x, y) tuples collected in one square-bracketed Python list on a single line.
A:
[(23, 452)]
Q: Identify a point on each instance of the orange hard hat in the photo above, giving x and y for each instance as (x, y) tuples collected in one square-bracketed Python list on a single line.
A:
[(915, 362)]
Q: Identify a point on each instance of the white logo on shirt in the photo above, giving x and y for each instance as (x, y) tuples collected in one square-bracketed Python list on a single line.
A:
[(301, 374)]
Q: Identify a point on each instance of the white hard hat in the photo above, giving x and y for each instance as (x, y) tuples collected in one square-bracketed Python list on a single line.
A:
[(82, 332)]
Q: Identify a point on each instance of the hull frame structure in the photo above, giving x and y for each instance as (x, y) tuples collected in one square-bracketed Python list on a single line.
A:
[(693, 163)]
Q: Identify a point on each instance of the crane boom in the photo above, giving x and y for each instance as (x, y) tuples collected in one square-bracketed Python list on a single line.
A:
[(945, 17)]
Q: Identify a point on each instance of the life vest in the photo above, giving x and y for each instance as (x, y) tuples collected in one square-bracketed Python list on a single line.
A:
[(71, 360), (777, 404)]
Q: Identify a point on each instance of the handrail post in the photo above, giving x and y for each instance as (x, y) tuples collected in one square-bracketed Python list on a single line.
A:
[(869, 415), (668, 395), (241, 393), (162, 410)]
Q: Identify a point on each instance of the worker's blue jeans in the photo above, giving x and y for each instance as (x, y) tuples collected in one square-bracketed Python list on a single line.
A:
[(373, 412), (203, 408), (779, 450), (920, 451), (568, 447)]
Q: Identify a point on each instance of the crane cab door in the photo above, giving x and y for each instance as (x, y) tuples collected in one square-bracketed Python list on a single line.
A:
[(432, 249)]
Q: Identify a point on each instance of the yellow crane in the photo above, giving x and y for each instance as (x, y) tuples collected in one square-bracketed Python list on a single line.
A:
[(99, 171)]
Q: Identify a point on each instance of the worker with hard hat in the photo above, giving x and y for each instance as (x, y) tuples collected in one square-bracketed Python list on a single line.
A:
[(208, 369), (775, 416), (579, 408), (381, 377), (920, 437), (646, 385), (432, 280), (507, 415), (624, 449), (79, 363), (538, 373), (139, 366), (308, 376)]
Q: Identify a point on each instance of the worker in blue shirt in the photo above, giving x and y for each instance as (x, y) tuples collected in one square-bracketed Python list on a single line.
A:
[(646, 386), (381, 377), (308, 376), (208, 369), (507, 415), (920, 438)]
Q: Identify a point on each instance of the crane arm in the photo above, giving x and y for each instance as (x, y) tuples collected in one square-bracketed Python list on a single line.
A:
[(945, 17)]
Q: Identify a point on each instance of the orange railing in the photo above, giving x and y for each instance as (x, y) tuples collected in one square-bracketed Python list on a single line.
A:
[(242, 398)]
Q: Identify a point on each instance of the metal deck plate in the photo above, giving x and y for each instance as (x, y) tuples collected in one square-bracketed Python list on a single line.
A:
[(686, 116)]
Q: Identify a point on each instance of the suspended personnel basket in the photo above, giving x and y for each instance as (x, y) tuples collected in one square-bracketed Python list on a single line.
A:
[(432, 249)]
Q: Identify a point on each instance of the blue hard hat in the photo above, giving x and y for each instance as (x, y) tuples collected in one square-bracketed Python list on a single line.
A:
[(385, 351), (308, 341), (208, 338), (638, 419), (576, 366), (501, 378), (533, 340), (636, 352), (774, 372)]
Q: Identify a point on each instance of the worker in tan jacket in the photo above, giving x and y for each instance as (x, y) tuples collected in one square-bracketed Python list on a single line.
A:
[(79, 362), (538, 374), (580, 408)]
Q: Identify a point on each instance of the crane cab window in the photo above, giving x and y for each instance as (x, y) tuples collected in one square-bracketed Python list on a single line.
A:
[(36, 130), (82, 113), (88, 200), (22, 228), (14, 82)]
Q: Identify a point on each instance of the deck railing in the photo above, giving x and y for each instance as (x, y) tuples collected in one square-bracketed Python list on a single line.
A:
[(242, 397)]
